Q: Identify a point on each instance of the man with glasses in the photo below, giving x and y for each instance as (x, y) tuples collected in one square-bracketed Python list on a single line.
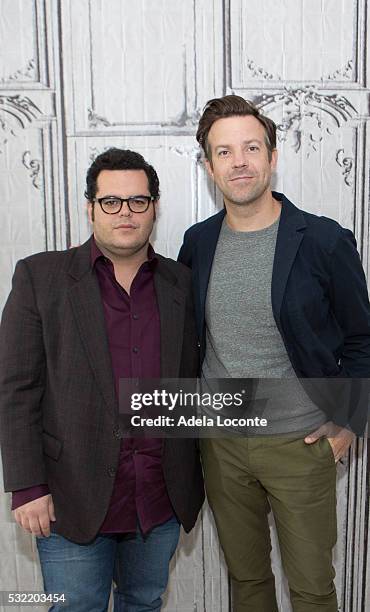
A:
[(103, 505)]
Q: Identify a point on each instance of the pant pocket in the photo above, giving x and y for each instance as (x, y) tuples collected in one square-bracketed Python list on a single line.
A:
[(328, 448)]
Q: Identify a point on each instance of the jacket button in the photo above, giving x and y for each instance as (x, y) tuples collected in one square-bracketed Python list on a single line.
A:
[(111, 470), (117, 432)]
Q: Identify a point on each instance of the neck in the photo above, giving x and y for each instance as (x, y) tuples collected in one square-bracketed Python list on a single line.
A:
[(125, 262), (252, 216)]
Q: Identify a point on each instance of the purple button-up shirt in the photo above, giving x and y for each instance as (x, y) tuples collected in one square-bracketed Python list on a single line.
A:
[(133, 330)]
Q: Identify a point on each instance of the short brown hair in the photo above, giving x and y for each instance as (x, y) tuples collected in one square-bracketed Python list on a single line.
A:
[(231, 106)]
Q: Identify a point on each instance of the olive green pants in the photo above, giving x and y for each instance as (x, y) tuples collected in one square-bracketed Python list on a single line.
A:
[(245, 478)]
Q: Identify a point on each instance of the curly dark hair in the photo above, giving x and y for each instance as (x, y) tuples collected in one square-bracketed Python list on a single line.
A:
[(120, 159), (231, 106)]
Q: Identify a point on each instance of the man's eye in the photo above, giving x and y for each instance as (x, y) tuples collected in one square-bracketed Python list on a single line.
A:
[(223, 153), (138, 201), (111, 203), (253, 148)]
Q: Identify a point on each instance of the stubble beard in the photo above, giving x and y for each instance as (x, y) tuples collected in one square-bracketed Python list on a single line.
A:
[(248, 197)]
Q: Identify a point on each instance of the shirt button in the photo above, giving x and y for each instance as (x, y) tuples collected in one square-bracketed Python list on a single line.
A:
[(135, 349), (135, 317), (111, 470)]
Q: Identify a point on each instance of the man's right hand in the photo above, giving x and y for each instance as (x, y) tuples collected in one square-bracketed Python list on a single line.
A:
[(35, 516)]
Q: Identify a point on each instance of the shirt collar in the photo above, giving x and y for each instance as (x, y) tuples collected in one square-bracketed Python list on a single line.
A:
[(97, 254)]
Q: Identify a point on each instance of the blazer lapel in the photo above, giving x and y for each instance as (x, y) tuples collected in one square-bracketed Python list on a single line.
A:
[(87, 307), (289, 238), (171, 304), (206, 247)]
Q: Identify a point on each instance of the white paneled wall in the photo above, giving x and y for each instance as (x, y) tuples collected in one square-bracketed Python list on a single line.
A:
[(78, 76)]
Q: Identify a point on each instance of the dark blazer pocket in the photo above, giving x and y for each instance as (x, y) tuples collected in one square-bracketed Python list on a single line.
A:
[(52, 447)]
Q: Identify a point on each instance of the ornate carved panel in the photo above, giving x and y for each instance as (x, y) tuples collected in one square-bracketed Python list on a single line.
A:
[(24, 36), (28, 215), (296, 42), (124, 67)]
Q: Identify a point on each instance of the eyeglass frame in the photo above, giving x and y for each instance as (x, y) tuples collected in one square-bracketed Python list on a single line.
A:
[(127, 200)]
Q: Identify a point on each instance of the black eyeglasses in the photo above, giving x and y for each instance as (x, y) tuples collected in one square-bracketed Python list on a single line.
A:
[(113, 204)]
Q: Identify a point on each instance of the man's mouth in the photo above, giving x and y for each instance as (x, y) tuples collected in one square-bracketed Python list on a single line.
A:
[(125, 226), (241, 178)]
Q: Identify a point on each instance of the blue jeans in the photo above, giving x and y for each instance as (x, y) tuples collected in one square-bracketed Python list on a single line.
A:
[(138, 565)]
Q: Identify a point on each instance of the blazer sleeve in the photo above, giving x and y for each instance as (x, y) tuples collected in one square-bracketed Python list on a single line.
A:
[(350, 305), (185, 253), (22, 383)]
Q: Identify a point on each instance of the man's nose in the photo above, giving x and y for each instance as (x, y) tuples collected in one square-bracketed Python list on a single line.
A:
[(240, 159), (125, 211)]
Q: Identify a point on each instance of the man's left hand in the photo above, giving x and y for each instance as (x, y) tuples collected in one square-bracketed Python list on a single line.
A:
[(340, 438)]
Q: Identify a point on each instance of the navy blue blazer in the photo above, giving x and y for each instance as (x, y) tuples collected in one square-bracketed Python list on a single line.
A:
[(319, 295)]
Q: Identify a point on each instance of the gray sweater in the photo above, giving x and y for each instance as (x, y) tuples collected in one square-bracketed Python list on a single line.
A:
[(242, 339)]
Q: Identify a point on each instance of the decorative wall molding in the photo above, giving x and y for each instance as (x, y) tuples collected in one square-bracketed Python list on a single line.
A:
[(352, 74), (345, 72), (94, 152), (193, 152), (192, 70), (307, 113), (34, 167), (185, 119), (27, 72), (32, 48), (260, 73), (16, 112), (96, 120), (347, 163)]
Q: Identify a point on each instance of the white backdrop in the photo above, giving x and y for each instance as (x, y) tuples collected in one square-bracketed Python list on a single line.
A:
[(78, 76)]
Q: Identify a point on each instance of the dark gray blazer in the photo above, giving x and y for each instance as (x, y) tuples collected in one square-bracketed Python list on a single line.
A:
[(58, 407)]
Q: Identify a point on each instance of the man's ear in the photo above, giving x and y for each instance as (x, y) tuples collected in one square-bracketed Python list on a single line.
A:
[(155, 208), (209, 167), (274, 159), (90, 211)]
